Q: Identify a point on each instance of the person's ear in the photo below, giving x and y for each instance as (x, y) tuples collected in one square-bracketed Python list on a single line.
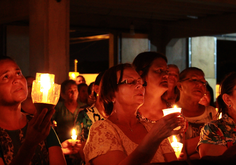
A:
[(226, 98), (179, 86), (140, 73)]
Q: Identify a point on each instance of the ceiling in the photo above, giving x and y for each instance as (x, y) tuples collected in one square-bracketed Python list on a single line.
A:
[(174, 18), (209, 16)]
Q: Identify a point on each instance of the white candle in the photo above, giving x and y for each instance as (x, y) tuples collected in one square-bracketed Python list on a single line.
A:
[(168, 111), (177, 146)]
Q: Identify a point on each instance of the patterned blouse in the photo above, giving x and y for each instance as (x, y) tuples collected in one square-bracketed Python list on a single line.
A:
[(10, 142), (105, 136), (85, 119), (220, 132)]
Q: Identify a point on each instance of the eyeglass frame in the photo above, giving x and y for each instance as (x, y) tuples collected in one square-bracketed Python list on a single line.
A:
[(196, 80), (134, 80)]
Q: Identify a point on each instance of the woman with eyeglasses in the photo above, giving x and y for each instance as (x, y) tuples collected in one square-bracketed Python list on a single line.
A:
[(192, 86), (122, 138)]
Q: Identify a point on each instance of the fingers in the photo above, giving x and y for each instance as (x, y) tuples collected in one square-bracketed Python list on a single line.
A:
[(37, 120), (47, 118), (173, 124)]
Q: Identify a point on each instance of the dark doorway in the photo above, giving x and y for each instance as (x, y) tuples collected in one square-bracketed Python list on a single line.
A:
[(226, 58)]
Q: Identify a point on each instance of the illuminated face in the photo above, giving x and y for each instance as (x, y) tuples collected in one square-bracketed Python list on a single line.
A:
[(71, 93), (80, 80), (157, 76), (130, 90), (13, 86), (173, 76), (194, 85)]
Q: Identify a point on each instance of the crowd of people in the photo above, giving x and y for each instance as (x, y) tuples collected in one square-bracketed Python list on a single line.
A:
[(118, 118)]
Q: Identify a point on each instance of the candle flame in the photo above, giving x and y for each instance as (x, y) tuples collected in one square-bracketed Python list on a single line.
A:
[(74, 136), (177, 146), (174, 138), (45, 82)]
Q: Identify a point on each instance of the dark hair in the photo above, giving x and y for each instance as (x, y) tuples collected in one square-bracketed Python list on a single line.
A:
[(226, 87), (98, 78), (143, 61), (65, 84), (97, 81), (174, 66), (109, 86), (209, 88), (184, 73), (90, 88), (81, 85), (81, 77), (6, 58)]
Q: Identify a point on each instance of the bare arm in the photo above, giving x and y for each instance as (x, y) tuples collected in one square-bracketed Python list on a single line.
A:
[(191, 145), (211, 150), (56, 157)]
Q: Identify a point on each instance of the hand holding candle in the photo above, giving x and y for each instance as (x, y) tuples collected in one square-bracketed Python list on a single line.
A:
[(168, 111), (73, 137)]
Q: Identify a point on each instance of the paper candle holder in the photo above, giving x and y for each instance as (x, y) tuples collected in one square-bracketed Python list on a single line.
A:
[(44, 90)]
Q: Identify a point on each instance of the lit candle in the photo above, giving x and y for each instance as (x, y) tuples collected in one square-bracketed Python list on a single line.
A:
[(74, 136), (46, 85), (45, 93), (177, 146), (75, 64), (168, 111)]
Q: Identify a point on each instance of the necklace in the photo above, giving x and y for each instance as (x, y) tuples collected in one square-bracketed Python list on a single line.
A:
[(140, 117)]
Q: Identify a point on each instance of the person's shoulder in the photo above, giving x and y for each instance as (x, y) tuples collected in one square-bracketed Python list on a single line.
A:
[(211, 111), (59, 105), (210, 108), (103, 125)]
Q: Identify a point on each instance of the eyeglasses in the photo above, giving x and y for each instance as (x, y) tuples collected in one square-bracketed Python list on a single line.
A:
[(133, 82), (194, 80)]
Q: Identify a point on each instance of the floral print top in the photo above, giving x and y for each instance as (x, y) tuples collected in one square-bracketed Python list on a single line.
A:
[(85, 119), (219, 132)]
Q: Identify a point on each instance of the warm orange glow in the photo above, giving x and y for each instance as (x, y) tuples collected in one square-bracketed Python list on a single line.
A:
[(177, 146), (44, 90), (74, 135)]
